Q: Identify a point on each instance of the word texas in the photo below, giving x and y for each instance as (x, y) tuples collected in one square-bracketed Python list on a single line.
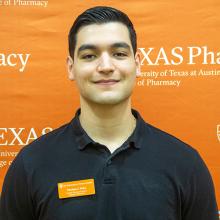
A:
[(178, 55), (14, 60)]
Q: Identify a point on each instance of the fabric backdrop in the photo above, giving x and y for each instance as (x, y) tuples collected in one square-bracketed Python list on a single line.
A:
[(178, 90)]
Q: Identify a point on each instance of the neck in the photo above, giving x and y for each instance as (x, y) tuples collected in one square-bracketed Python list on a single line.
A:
[(109, 125)]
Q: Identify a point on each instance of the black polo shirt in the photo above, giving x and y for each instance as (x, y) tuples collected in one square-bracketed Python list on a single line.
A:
[(152, 176)]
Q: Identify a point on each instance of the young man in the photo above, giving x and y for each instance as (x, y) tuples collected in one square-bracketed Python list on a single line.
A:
[(107, 163)]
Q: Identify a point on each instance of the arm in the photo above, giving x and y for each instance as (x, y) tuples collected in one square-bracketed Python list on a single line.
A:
[(16, 202), (200, 202)]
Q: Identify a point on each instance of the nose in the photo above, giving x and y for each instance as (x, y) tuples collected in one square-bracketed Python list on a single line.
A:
[(105, 64)]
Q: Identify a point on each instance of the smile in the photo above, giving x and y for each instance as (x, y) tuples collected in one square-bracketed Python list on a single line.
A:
[(107, 82)]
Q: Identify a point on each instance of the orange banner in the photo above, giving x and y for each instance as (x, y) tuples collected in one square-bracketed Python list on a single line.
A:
[(178, 90)]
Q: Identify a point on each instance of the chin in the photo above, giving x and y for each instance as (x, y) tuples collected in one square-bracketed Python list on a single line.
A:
[(110, 100)]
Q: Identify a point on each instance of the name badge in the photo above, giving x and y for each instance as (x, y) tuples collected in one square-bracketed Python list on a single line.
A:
[(76, 188)]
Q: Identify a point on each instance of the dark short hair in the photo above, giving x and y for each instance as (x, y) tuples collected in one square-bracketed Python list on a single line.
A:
[(100, 15)]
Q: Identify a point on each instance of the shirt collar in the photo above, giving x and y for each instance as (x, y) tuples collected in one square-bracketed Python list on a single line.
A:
[(84, 140)]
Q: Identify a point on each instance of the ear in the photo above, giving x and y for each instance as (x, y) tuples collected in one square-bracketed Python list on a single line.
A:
[(70, 70), (138, 64)]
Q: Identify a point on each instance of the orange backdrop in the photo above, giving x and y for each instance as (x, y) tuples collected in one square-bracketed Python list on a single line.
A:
[(178, 90)]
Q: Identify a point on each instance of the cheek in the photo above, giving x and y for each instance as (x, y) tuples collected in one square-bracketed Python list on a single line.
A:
[(128, 70), (83, 72), (126, 65)]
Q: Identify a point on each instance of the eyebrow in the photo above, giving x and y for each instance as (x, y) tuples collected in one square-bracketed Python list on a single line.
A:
[(94, 47)]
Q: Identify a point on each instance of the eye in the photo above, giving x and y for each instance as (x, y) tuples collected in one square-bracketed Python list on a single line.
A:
[(88, 57), (120, 54)]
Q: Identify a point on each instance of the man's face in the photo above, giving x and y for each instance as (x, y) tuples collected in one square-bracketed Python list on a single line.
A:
[(104, 65)]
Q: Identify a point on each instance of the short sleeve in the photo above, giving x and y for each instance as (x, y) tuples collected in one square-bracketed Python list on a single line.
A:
[(15, 198), (200, 201)]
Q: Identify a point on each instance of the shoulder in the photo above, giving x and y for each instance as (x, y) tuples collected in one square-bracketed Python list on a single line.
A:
[(161, 143), (48, 146), (173, 155), (168, 147), (165, 139)]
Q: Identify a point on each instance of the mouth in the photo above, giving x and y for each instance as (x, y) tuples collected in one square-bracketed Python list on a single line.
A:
[(107, 82)]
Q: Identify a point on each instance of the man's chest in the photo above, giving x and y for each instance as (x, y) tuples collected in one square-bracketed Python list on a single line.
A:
[(119, 194)]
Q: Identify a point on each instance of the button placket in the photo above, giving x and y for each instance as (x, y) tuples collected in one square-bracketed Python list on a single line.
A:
[(109, 170), (109, 162)]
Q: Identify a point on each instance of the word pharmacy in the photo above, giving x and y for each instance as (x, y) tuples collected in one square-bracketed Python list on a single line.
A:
[(24, 3)]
